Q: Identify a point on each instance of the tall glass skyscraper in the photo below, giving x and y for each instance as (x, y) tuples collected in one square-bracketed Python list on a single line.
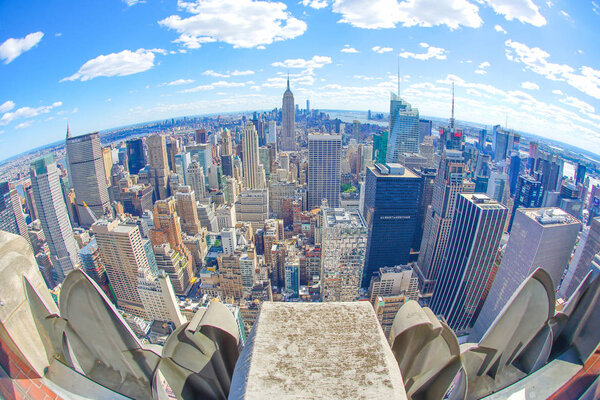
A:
[(136, 157), (391, 211), (404, 129), (380, 144), (474, 238)]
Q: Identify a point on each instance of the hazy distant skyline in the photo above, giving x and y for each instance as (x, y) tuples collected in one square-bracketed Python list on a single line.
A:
[(106, 64)]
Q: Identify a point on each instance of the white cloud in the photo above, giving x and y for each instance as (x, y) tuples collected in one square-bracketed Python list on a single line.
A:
[(13, 48), (378, 14), (210, 72), (530, 86), (27, 112), (318, 4), (7, 106), (240, 23), (595, 7), (523, 10), (536, 60), (481, 68), (24, 124), (179, 82), (348, 49), (432, 52), (242, 73), (499, 28), (381, 50), (579, 104), (557, 91), (315, 62), (214, 85), (123, 63), (133, 2), (227, 74)]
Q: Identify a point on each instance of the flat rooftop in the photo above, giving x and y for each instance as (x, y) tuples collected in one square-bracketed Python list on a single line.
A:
[(342, 216), (549, 216), (396, 170), (317, 351)]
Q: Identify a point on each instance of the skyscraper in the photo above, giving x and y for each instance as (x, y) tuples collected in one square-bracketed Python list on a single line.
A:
[(356, 130), (123, 255), (404, 129), (380, 142), (196, 180), (176, 265), (450, 137), (158, 297), (159, 165), (391, 208), (87, 176), (449, 182), (52, 212), (528, 194), (288, 121), (324, 170), (500, 143), (344, 243), (11, 212), (514, 171), (467, 263), (424, 129), (589, 242), (272, 133), (252, 178), (187, 210), (91, 263), (540, 238), (136, 157)]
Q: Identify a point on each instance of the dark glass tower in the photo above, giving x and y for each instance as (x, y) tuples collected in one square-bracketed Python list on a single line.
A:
[(528, 194), (136, 158), (391, 211)]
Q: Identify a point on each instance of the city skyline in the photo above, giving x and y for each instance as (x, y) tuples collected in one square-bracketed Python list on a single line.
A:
[(162, 61)]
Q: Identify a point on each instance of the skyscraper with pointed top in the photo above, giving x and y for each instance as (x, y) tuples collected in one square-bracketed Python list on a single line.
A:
[(404, 127), (450, 137), (288, 128)]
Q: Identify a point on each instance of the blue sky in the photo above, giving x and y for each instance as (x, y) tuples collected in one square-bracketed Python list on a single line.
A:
[(101, 64)]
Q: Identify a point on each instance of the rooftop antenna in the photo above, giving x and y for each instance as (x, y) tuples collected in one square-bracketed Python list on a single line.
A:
[(68, 131), (452, 113), (288, 82)]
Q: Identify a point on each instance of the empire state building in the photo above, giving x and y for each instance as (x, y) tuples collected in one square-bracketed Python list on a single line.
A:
[(288, 135)]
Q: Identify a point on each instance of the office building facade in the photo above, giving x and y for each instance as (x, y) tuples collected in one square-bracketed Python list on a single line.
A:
[(52, 212), (343, 248), (391, 212), (324, 170), (475, 234), (87, 177), (404, 129), (540, 238)]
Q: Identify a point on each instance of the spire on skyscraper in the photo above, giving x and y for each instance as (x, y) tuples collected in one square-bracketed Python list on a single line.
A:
[(68, 131), (288, 81)]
